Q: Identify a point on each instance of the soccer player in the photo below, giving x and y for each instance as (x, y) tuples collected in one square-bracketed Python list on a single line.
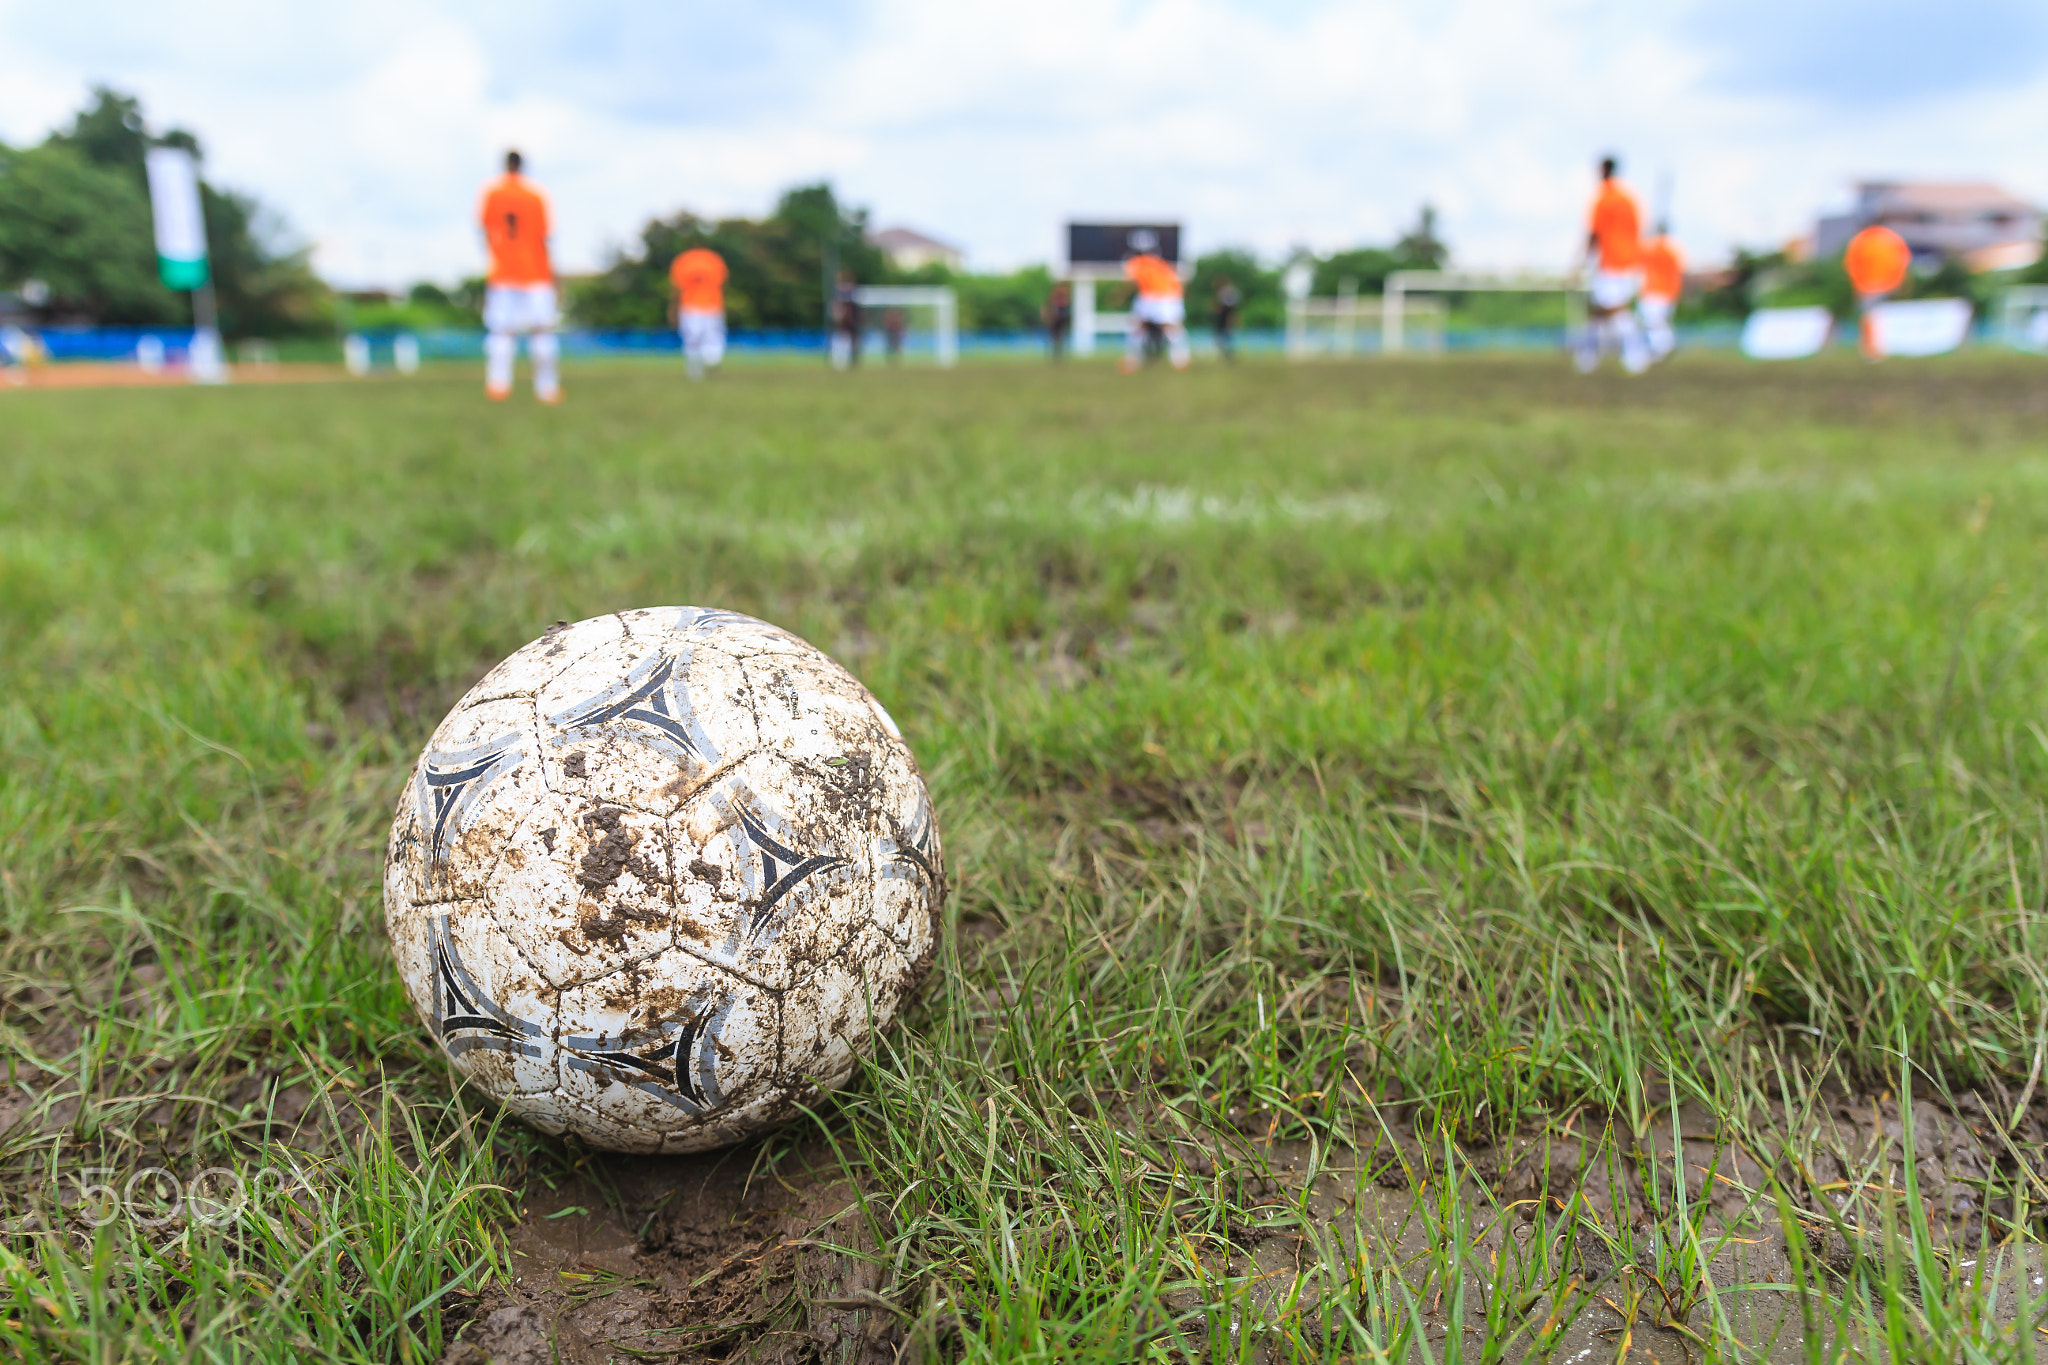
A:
[(1614, 251), (1058, 315), (1663, 282), (1159, 308), (1877, 260), (846, 322), (519, 298), (1229, 298), (699, 308)]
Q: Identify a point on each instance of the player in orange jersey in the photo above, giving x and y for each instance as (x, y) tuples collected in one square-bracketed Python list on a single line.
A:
[(1663, 282), (1159, 309), (1877, 260), (699, 308), (519, 294), (1614, 263)]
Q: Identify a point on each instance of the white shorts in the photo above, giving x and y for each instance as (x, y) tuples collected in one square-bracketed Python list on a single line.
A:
[(1166, 312), (1614, 288), (1655, 310), (520, 308), (703, 332)]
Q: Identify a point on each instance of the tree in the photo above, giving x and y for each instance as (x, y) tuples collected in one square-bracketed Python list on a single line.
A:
[(1419, 248), (780, 266), (113, 133), (74, 212), (84, 232), (264, 283), (1014, 302), (1265, 305), (1367, 267)]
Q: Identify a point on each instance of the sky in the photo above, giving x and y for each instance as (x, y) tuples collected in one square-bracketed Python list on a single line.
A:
[(372, 127)]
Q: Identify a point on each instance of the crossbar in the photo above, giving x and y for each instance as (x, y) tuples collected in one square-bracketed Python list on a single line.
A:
[(1403, 282), (943, 302)]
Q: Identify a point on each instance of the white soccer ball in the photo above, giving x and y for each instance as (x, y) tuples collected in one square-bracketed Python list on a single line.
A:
[(661, 876)]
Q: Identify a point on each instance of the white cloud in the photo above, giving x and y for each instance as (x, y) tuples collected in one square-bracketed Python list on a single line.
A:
[(374, 126)]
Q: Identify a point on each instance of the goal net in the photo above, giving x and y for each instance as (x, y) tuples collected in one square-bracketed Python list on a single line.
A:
[(2023, 317), (942, 305), (1350, 323), (1402, 285)]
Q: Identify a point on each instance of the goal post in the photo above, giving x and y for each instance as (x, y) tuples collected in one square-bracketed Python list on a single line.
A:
[(1347, 315), (1402, 283), (943, 302), (2023, 317)]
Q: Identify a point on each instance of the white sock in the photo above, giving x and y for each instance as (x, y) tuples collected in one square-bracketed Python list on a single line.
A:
[(1177, 347), (1635, 352), (501, 349), (546, 350)]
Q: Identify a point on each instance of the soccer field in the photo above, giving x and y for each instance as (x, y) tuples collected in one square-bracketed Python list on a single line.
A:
[(1450, 861)]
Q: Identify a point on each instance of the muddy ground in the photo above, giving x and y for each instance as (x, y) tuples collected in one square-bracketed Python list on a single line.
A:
[(734, 1255), (723, 1255)]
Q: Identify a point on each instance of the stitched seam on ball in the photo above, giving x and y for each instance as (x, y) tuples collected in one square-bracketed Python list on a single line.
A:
[(713, 776), (656, 612), (623, 965), (491, 909), (753, 741), (549, 988), (625, 805), (531, 733), (726, 967), (739, 662), (568, 663)]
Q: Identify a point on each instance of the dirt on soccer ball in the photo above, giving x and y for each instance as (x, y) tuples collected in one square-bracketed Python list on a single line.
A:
[(661, 876)]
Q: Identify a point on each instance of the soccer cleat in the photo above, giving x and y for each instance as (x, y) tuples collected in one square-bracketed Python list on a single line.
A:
[(551, 399), (497, 395)]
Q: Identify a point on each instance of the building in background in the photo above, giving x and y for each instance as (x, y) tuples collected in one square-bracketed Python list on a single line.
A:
[(1972, 221), (908, 249)]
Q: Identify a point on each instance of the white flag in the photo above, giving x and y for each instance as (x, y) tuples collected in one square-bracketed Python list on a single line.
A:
[(180, 226)]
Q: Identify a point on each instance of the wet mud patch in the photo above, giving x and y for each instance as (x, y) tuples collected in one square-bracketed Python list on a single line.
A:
[(1580, 1242), (732, 1254)]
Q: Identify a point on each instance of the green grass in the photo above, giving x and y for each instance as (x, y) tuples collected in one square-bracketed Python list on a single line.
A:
[(1350, 762)]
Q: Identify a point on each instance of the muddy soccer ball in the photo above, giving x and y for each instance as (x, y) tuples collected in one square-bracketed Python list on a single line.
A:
[(660, 878)]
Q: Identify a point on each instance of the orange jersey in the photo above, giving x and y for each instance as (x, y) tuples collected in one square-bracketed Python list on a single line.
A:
[(1876, 260), (1154, 277), (1663, 269), (515, 219), (699, 277), (1617, 226)]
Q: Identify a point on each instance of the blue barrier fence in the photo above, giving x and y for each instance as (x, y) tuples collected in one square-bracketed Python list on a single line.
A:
[(120, 343), (113, 343)]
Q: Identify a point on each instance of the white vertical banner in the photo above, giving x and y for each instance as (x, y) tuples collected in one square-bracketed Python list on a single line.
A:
[(181, 252), (180, 225)]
